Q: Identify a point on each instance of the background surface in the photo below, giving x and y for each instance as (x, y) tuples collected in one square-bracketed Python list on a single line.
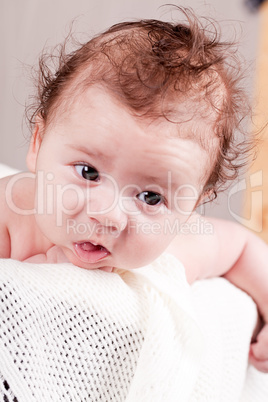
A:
[(27, 26)]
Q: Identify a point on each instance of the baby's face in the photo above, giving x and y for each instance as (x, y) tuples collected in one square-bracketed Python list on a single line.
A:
[(114, 190)]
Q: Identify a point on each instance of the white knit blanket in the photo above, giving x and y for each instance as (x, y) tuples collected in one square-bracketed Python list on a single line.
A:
[(68, 334)]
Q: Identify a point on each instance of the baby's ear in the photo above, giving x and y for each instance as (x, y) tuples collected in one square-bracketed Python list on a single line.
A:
[(36, 140)]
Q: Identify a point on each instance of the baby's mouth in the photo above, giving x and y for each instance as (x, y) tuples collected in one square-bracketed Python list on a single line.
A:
[(90, 252)]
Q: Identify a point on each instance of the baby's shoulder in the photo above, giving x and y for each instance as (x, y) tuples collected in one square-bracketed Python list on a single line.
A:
[(17, 192), (16, 198)]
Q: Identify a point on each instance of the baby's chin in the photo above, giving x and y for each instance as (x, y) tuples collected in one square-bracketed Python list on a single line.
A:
[(71, 257)]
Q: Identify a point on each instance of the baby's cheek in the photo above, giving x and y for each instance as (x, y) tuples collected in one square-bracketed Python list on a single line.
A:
[(70, 200), (156, 233)]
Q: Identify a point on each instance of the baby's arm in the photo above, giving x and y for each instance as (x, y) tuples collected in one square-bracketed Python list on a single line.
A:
[(250, 273), (238, 255), (54, 255)]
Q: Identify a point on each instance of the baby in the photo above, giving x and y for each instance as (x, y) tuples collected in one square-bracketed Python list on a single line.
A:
[(130, 135)]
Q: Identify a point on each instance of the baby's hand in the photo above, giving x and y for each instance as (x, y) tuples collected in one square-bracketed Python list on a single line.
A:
[(258, 353), (54, 255)]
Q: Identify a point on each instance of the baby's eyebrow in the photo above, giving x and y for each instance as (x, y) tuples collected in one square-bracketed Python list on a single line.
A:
[(164, 183), (89, 152)]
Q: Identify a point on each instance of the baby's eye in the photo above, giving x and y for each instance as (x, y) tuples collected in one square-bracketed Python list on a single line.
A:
[(150, 198), (87, 172)]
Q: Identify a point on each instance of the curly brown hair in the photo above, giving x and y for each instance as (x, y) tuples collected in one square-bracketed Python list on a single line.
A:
[(150, 66)]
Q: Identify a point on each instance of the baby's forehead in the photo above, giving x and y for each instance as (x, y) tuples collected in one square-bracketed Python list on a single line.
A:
[(193, 117), (196, 120), (188, 117)]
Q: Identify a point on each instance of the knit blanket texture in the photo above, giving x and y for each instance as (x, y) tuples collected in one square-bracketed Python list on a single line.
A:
[(68, 334)]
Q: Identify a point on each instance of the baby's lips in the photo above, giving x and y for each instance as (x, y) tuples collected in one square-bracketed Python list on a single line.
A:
[(89, 252)]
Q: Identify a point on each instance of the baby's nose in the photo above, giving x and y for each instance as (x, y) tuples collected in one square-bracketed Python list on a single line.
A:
[(107, 211)]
